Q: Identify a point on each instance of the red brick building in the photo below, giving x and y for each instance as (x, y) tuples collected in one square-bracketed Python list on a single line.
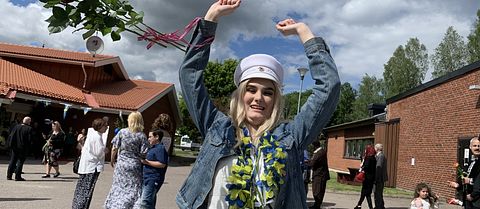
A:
[(426, 131), (436, 121), (75, 88)]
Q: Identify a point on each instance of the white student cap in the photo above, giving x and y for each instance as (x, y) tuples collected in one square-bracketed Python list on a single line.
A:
[(259, 66)]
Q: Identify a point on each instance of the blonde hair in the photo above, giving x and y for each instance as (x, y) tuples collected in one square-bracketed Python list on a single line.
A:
[(135, 122), (58, 126), (238, 114)]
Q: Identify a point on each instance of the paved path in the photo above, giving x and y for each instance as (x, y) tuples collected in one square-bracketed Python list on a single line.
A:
[(57, 193)]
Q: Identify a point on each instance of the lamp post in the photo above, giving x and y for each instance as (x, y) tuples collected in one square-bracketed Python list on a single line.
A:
[(302, 72)]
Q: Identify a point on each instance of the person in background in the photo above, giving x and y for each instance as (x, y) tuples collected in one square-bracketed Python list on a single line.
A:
[(424, 198), (81, 140), (154, 169), (368, 166), (91, 164), (466, 184), (37, 141), (380, 176), (53, 149), (164, 122), (131, 145), (19, 140), (321, 175), (306, 169), (70, 142)]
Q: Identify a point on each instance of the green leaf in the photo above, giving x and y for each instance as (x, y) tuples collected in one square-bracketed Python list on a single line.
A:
[(127, 7), (106, 31), (73, 12), (121, 12), (55, 29), (88, 26), (132, 14), (139, 17), (88, 34), (110, 21), (59, 13), (115, 36)]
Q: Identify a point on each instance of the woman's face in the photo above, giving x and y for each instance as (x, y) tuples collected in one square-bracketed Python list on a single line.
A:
[(152, 139), (258, 101), (423, 193), (54, 127), (103, 129)]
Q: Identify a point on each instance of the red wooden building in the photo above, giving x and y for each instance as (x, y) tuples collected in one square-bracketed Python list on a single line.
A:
[(74, 88)]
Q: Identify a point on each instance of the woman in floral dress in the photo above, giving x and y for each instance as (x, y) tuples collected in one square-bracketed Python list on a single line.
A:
[(131, 145)]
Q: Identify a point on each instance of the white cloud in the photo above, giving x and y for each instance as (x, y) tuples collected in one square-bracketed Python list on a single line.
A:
[(362, 33)]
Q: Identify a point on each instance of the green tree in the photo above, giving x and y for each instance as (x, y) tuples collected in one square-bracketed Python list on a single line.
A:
[(450, 55), (417, 53), (474, 41), (406, 68), (291, 103), (344, 111), (219, 83), (187, 127), (371, 90)]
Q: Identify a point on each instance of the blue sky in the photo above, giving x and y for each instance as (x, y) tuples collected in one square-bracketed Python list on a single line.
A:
[(362, 34)]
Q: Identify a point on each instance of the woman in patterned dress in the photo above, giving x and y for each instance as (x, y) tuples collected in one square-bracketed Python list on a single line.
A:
[(53, 149), (131, 145)]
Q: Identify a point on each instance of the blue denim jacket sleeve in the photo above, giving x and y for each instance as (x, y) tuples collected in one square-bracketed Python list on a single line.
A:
[(200, 107), (321, 104)]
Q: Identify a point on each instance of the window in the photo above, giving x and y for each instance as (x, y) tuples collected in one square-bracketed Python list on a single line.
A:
[(355, 146)]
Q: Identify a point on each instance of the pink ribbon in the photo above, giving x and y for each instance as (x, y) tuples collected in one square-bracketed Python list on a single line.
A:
[(153, 36)]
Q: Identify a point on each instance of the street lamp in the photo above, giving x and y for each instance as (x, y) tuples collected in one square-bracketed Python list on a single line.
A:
[(302, 72)]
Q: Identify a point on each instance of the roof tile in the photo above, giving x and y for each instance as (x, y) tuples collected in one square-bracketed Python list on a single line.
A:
[(18, 78), (131, 94), (51, 53)]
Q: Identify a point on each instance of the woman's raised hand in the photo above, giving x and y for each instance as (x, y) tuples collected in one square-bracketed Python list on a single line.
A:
[(290, 27), (221, 8)]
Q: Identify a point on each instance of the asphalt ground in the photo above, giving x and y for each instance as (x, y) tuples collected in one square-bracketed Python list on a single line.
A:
[(57, 193)]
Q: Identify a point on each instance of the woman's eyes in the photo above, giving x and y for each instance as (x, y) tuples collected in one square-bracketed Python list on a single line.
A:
[(254, 90), (268, 93)]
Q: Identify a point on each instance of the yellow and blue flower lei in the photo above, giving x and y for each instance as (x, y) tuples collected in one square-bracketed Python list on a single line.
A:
[(242, 188)]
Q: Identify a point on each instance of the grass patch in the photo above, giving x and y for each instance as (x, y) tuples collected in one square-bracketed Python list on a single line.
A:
[(187, 153), (333, 185)]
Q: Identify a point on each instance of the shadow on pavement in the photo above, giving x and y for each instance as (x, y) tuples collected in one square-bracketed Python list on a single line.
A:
[(178, 161), (22, 199), (51, 180), (396, 207)]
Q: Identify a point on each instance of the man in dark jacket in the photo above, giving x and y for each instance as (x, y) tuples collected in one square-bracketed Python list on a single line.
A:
[(319, 165), (18, 141), (471, 194), (380, 176)]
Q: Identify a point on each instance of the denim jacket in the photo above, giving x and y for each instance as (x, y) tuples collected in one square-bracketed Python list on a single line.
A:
[(219, 132)]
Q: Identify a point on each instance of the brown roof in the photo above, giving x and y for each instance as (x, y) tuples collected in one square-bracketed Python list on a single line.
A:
[(131, 94), (127, 95), (13, 49), (18, 78)]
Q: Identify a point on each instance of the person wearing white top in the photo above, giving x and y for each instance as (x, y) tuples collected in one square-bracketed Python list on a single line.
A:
[(91, 164)]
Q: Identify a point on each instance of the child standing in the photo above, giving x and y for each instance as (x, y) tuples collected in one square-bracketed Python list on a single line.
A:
[(424, 198)]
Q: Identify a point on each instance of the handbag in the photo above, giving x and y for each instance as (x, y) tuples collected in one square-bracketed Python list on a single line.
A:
[(76, 163), (360, 177)]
